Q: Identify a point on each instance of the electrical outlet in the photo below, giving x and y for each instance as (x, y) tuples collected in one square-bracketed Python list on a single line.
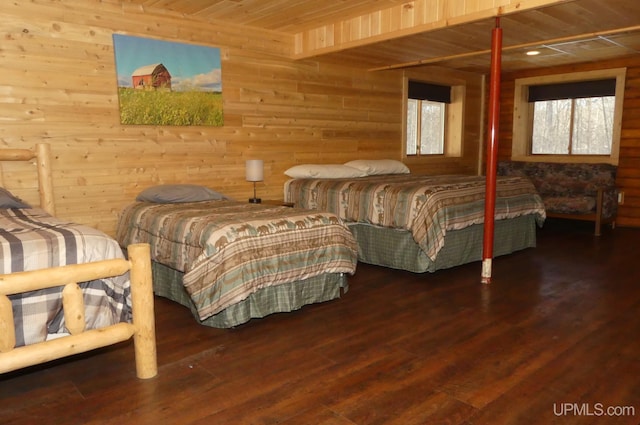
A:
[(620, 198)]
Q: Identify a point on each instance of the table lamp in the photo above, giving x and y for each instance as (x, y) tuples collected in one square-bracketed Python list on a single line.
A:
[(254, 173)]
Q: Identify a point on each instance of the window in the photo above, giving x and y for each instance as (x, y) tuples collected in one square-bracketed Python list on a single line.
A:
[(426, 121), (573, 118), (569, 117), (425, 127)]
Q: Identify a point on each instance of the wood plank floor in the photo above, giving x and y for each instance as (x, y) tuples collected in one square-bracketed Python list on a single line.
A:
[(554, 339)]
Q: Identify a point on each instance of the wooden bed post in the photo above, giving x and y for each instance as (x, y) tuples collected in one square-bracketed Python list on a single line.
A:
[(45, 180), (492, 152), (144, 338)]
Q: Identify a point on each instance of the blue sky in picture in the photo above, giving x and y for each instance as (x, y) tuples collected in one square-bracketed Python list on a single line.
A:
[(192, 66)]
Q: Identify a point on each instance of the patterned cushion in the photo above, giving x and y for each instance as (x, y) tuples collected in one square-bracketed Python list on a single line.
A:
[(568, 188)]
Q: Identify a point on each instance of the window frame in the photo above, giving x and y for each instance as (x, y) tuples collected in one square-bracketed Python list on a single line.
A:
[(453, 121), (523, 116)]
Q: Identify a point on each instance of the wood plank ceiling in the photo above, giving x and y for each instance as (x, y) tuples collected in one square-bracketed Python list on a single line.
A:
[(564, 31)]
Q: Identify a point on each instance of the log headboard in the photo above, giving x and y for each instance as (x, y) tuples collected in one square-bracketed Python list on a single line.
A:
[(42, 155)]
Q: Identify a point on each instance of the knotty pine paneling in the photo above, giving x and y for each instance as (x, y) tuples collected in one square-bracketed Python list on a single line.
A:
[(59, 86), (628, 177)]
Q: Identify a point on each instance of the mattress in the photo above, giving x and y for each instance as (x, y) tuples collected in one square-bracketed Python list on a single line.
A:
[(427, 206), (227, 251)]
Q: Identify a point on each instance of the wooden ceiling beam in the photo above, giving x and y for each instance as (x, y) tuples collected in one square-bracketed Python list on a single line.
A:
[(405, 19)]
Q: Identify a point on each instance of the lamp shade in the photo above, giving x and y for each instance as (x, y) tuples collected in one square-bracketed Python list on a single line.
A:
[(254, 170)]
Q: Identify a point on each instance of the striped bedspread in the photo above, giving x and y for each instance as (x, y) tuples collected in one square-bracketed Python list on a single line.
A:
[(228, 250), (427, 206), (31, 239)]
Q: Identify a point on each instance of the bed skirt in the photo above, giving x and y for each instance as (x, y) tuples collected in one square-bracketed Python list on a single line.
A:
[(395, 248), (286, 297)]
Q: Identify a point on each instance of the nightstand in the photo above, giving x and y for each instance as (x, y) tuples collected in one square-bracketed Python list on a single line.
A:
[(278, 202)]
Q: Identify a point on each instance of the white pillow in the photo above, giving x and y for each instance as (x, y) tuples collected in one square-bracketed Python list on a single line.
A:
[(379, 166), (323, 171)]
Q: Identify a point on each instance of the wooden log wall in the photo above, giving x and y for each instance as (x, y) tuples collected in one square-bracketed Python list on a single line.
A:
[(59, 86), (628, 177)]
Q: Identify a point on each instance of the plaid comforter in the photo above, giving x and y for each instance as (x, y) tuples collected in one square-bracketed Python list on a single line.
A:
[(427, 206), (228, 250), (31, 239)]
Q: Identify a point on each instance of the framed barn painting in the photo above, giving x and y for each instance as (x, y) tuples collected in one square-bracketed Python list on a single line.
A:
[(167, 83)]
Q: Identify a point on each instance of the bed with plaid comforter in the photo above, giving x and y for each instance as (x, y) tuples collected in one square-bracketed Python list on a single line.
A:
[(426, 206), (31, 239), (228, 250)]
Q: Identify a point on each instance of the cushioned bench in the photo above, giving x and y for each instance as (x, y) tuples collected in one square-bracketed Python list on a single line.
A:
[(577, 191)]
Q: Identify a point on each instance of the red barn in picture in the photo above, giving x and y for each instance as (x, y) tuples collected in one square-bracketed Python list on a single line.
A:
[(154, 76)]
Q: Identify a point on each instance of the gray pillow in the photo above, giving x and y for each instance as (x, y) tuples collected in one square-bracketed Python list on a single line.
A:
[(7, 200), (176, 193)]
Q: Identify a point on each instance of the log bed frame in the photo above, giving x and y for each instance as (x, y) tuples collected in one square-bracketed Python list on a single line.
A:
[(78, 341)]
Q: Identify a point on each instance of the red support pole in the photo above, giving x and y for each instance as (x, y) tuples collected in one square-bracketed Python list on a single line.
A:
[(492, 152)]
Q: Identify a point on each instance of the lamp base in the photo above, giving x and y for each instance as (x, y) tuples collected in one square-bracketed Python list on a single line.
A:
[(255, 200)]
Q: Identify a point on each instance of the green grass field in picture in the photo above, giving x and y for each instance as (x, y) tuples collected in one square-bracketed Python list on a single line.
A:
[(157, 107)]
